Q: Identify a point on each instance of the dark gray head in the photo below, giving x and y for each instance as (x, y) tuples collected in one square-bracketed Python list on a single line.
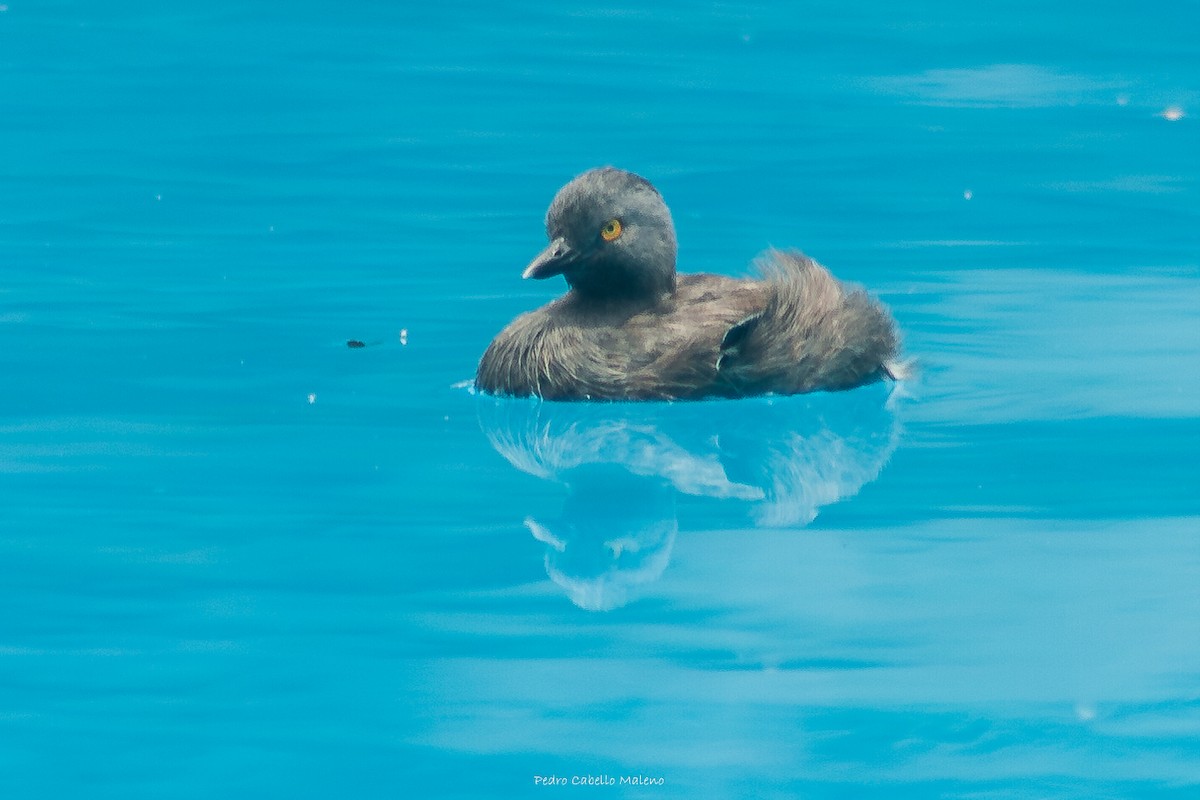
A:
[(611, 237)]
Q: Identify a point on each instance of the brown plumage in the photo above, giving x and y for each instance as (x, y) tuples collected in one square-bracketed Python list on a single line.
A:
[(631, 329)]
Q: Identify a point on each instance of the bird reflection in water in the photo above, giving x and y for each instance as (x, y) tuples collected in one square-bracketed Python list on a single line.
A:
[(774, 461)]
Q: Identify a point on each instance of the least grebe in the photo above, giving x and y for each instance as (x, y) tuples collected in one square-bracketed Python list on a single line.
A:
[(630, 328)]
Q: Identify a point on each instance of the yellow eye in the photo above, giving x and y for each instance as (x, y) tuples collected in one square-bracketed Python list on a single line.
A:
[(611, 230)]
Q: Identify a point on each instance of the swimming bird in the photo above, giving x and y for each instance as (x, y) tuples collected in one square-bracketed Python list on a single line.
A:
[(631, 328)]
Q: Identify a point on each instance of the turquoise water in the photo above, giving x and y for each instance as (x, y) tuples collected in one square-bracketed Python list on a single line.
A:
[(239, 558)]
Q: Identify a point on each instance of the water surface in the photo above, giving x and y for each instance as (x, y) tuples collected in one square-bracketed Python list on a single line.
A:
[(240, 558)]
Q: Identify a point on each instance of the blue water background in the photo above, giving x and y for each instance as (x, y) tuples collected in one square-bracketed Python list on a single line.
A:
[(238, 558)]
